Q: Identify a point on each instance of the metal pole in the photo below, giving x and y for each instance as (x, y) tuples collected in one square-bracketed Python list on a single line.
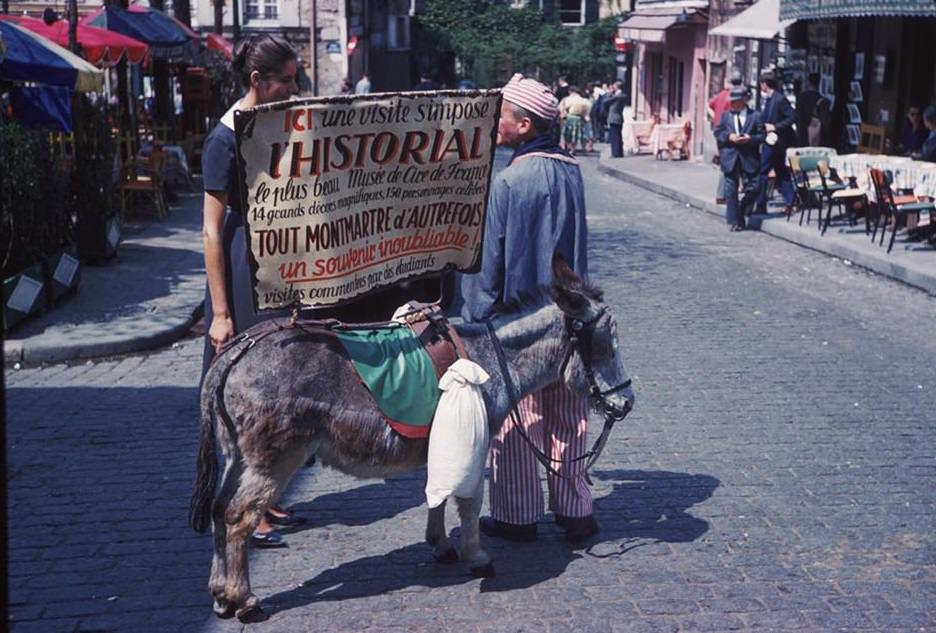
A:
[(315, 52), (73, 26), (235, 16)]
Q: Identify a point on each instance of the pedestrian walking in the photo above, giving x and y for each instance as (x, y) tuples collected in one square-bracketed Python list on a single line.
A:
[(576, 123), (778, 117), (536, 208), (614, 107), (717, 106), (267, 65), (812, 114), (739, 135), (599, 93), (363, 85)]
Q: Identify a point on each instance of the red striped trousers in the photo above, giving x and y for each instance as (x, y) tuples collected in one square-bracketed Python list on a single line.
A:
[(556, 420)]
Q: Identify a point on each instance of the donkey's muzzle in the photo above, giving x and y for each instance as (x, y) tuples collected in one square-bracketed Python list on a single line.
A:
[(617, 412), (612, 410)]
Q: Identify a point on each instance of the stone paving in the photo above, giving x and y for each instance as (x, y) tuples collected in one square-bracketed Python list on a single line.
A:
[(776, 475)]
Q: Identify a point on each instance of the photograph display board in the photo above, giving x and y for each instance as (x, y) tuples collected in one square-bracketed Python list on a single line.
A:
[(343, 196)]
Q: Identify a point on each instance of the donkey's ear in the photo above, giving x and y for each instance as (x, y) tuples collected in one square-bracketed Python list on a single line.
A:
[(566, 289), (562, 274)]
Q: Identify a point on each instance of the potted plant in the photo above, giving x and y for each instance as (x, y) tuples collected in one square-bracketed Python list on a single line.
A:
[(32, 221)]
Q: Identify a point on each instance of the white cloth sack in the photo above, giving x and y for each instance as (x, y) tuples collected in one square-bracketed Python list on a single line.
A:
[(458, 442)]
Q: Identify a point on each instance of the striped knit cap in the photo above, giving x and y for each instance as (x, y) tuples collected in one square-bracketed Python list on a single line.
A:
[(533, 96)]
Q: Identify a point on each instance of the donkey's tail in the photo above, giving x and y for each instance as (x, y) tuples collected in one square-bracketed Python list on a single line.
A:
[(206, 470)]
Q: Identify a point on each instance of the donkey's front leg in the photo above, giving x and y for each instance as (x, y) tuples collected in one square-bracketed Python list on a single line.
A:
[(437, 537), (469, 509)]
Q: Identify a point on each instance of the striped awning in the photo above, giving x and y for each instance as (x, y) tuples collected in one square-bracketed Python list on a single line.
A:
[(827, 9)]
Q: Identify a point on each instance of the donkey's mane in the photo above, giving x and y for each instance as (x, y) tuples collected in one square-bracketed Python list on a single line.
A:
[(543, 295)]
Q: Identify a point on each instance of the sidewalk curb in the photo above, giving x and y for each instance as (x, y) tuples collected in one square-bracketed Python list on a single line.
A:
[(776, 226), (35, 351)]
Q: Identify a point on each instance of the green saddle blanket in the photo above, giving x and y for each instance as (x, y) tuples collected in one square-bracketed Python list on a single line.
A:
[(399, 374)]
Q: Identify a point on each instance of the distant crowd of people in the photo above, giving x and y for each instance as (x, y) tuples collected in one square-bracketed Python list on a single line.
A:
[(590, 114)]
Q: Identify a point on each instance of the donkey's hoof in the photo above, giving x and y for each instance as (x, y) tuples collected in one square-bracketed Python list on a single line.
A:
[(483, 571), (251, 611), (223, 609), (448, 557)]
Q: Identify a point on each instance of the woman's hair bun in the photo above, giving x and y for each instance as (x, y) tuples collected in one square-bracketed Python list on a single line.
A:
[(264, 53), (239, 57)]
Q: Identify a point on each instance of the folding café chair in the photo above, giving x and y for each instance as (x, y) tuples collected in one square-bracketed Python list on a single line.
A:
[(893, 209), (836, 194), (142, 177), (809, 195)]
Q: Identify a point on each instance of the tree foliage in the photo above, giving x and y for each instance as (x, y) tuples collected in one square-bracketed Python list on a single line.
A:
[(493, 41)]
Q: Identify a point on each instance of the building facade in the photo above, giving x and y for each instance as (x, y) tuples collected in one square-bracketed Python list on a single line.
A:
[(670, 62)]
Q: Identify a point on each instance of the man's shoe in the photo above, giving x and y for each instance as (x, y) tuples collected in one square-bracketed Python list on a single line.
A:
[(578, 528), (270, 540), (521, 533)]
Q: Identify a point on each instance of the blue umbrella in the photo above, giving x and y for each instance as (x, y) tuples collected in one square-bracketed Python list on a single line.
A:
[(168, 40), (33, 58)]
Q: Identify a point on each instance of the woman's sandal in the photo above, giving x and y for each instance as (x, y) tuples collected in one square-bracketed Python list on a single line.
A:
[(270, 540)]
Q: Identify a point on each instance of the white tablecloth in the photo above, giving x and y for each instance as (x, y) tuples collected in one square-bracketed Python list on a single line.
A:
[(664, 136), (811, 152), (630, 131), (908, 174)]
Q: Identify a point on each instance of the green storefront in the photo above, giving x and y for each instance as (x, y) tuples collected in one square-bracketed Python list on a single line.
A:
[(875, 54)]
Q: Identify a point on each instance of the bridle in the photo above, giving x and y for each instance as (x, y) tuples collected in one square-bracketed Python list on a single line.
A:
[(579, 335)]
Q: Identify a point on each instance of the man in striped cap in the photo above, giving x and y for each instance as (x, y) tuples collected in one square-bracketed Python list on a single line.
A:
[(536, 208)]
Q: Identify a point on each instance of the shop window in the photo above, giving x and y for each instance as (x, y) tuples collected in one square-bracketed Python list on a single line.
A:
[(398, 32), (262, 10), (571, 11), (655, 82), (674, 84), (398, 25)]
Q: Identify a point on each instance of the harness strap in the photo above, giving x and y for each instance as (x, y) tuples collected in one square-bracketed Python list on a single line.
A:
[(574, 329), (540, 456), (219, 390)]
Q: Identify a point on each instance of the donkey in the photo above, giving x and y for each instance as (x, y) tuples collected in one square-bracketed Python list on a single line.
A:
[(295, 395)]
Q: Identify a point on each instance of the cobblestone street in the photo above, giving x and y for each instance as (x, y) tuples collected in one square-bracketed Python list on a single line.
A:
[(777, 473)]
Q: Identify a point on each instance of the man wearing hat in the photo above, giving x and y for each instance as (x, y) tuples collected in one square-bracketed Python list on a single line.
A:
[(739, 135), (778, 117), (717, 106), (536, 207)]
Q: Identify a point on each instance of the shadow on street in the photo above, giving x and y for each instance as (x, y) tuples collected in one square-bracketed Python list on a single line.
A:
[(643, 507)]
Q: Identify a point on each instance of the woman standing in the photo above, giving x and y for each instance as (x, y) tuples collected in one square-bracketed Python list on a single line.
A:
[(267, 66)]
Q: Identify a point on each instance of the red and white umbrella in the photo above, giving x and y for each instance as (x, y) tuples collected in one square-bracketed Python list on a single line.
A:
[(99, 46)]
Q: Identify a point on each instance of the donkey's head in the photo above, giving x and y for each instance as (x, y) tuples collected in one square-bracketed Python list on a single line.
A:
[(593, 362)]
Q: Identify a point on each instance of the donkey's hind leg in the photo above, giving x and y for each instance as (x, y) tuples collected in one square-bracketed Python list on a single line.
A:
[(468, 511), (258, 489), (437, 537), (216, 583)]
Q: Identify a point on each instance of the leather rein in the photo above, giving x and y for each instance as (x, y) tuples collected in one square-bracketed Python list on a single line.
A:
[(579, 334)]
